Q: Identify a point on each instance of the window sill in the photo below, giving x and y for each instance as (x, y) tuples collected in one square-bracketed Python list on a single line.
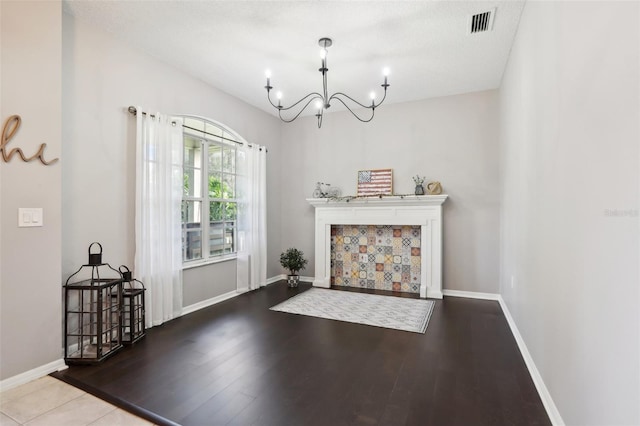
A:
[(205, 262)]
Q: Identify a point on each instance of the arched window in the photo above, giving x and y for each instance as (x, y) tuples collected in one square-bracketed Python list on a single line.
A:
[(209, 200)]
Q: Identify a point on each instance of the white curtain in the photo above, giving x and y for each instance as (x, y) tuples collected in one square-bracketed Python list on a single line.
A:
[(252, 217), (158, 256)]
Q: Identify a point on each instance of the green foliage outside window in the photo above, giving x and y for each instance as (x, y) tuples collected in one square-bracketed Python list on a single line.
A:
[(218, 210)]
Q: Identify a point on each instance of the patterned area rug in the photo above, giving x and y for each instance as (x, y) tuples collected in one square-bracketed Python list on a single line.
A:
[(370, 309)]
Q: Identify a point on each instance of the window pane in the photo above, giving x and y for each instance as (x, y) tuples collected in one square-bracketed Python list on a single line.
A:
[(229, 240), (192, 244), (230, 136), (228, 186), (215, 186), (212, 129), (230, 211), (229, 160), (194, 123), (215, 158), (192, 173), (192, 182), (192, 152), (216, 238), (191, 214), (216, 211)]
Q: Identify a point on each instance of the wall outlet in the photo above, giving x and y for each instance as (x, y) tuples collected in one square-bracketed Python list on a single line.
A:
[(513, 281)]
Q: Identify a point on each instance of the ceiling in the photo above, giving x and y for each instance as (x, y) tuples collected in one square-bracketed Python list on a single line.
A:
[(230, 44)]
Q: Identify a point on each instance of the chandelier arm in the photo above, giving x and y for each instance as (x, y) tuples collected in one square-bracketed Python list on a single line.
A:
[(299, 112), (373, 110), (382, 100), (335, 96), (314, 94)]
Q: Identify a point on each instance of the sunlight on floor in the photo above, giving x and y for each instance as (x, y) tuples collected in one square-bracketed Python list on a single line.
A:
[(51, 402)]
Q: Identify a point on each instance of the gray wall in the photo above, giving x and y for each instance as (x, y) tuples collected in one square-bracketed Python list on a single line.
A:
[(205, 282), (453, 140), (30, 306), (569, 127), (102, 76)]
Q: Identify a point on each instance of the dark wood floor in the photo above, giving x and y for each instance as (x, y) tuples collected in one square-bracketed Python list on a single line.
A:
[(238, 363)]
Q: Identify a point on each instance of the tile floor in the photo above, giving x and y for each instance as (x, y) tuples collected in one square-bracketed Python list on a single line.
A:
[(51, 402)]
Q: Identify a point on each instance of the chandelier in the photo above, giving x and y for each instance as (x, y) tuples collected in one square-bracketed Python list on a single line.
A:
[(323, 100)]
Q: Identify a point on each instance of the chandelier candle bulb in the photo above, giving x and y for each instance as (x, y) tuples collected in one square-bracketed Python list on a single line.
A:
[(268, 74)]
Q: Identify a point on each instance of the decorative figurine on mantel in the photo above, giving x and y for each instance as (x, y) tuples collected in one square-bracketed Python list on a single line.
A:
[(419, 181), (434, 188), (327, 192)]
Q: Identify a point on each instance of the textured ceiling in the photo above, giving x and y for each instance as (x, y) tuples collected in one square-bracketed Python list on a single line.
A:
[(230, 44)]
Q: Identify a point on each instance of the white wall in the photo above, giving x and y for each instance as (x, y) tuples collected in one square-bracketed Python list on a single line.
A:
[(569, 128), (453, 140), (102, 77), (30, 306)]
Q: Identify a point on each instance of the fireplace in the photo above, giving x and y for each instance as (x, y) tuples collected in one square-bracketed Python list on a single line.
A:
[(423, 213)]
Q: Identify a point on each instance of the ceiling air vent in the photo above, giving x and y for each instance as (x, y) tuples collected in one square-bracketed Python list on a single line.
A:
[(482, 22)]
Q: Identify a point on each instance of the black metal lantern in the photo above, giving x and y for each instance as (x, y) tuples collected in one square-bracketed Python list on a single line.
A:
[(133, 327), (92, 311)]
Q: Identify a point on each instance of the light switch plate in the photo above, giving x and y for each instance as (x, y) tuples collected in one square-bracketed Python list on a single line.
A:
[(29, 217)]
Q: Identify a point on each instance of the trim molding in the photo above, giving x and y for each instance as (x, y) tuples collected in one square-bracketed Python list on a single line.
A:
[(32, 374), (276, 279), (545, 396), (284, 277), (470, 294), (209, 302)]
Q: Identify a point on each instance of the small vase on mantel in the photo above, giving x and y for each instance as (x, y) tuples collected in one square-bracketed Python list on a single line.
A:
[(419, 190)]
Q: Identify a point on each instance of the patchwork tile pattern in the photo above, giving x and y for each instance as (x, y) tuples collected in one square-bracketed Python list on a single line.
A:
[(383, 257)]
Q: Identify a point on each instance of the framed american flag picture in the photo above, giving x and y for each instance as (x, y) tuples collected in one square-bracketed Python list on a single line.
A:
[(375, 182)]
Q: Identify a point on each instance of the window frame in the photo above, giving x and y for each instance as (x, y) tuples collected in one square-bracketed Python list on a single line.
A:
[(228, 139)]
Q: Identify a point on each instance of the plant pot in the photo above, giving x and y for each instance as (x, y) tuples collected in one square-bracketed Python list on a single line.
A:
[(293, 280), (419, 190)]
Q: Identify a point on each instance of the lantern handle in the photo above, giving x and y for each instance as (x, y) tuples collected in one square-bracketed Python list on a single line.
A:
[(95, 258), (99, 245), (126, 274)]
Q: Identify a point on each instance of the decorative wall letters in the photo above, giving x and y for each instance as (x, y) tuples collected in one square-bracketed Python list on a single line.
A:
[(10, 128)]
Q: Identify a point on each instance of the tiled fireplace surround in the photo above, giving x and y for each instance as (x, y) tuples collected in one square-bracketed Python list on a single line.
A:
[(392, 243), (382, 257)]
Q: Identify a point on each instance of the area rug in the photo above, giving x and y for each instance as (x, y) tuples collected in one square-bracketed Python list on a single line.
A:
[(370, 309)]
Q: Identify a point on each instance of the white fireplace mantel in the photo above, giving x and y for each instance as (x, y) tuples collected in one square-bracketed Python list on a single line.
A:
[(424, 210)]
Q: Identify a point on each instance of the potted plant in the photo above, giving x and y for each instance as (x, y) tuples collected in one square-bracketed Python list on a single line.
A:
[(293, 260)]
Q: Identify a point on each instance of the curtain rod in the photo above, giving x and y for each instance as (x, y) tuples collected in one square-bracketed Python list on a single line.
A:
[(134, 111)]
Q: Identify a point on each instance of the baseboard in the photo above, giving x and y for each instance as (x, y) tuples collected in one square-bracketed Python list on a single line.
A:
[(284, 277), (209, 302), (32, 374), (276, 279), (547, 401), (470, 294)]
